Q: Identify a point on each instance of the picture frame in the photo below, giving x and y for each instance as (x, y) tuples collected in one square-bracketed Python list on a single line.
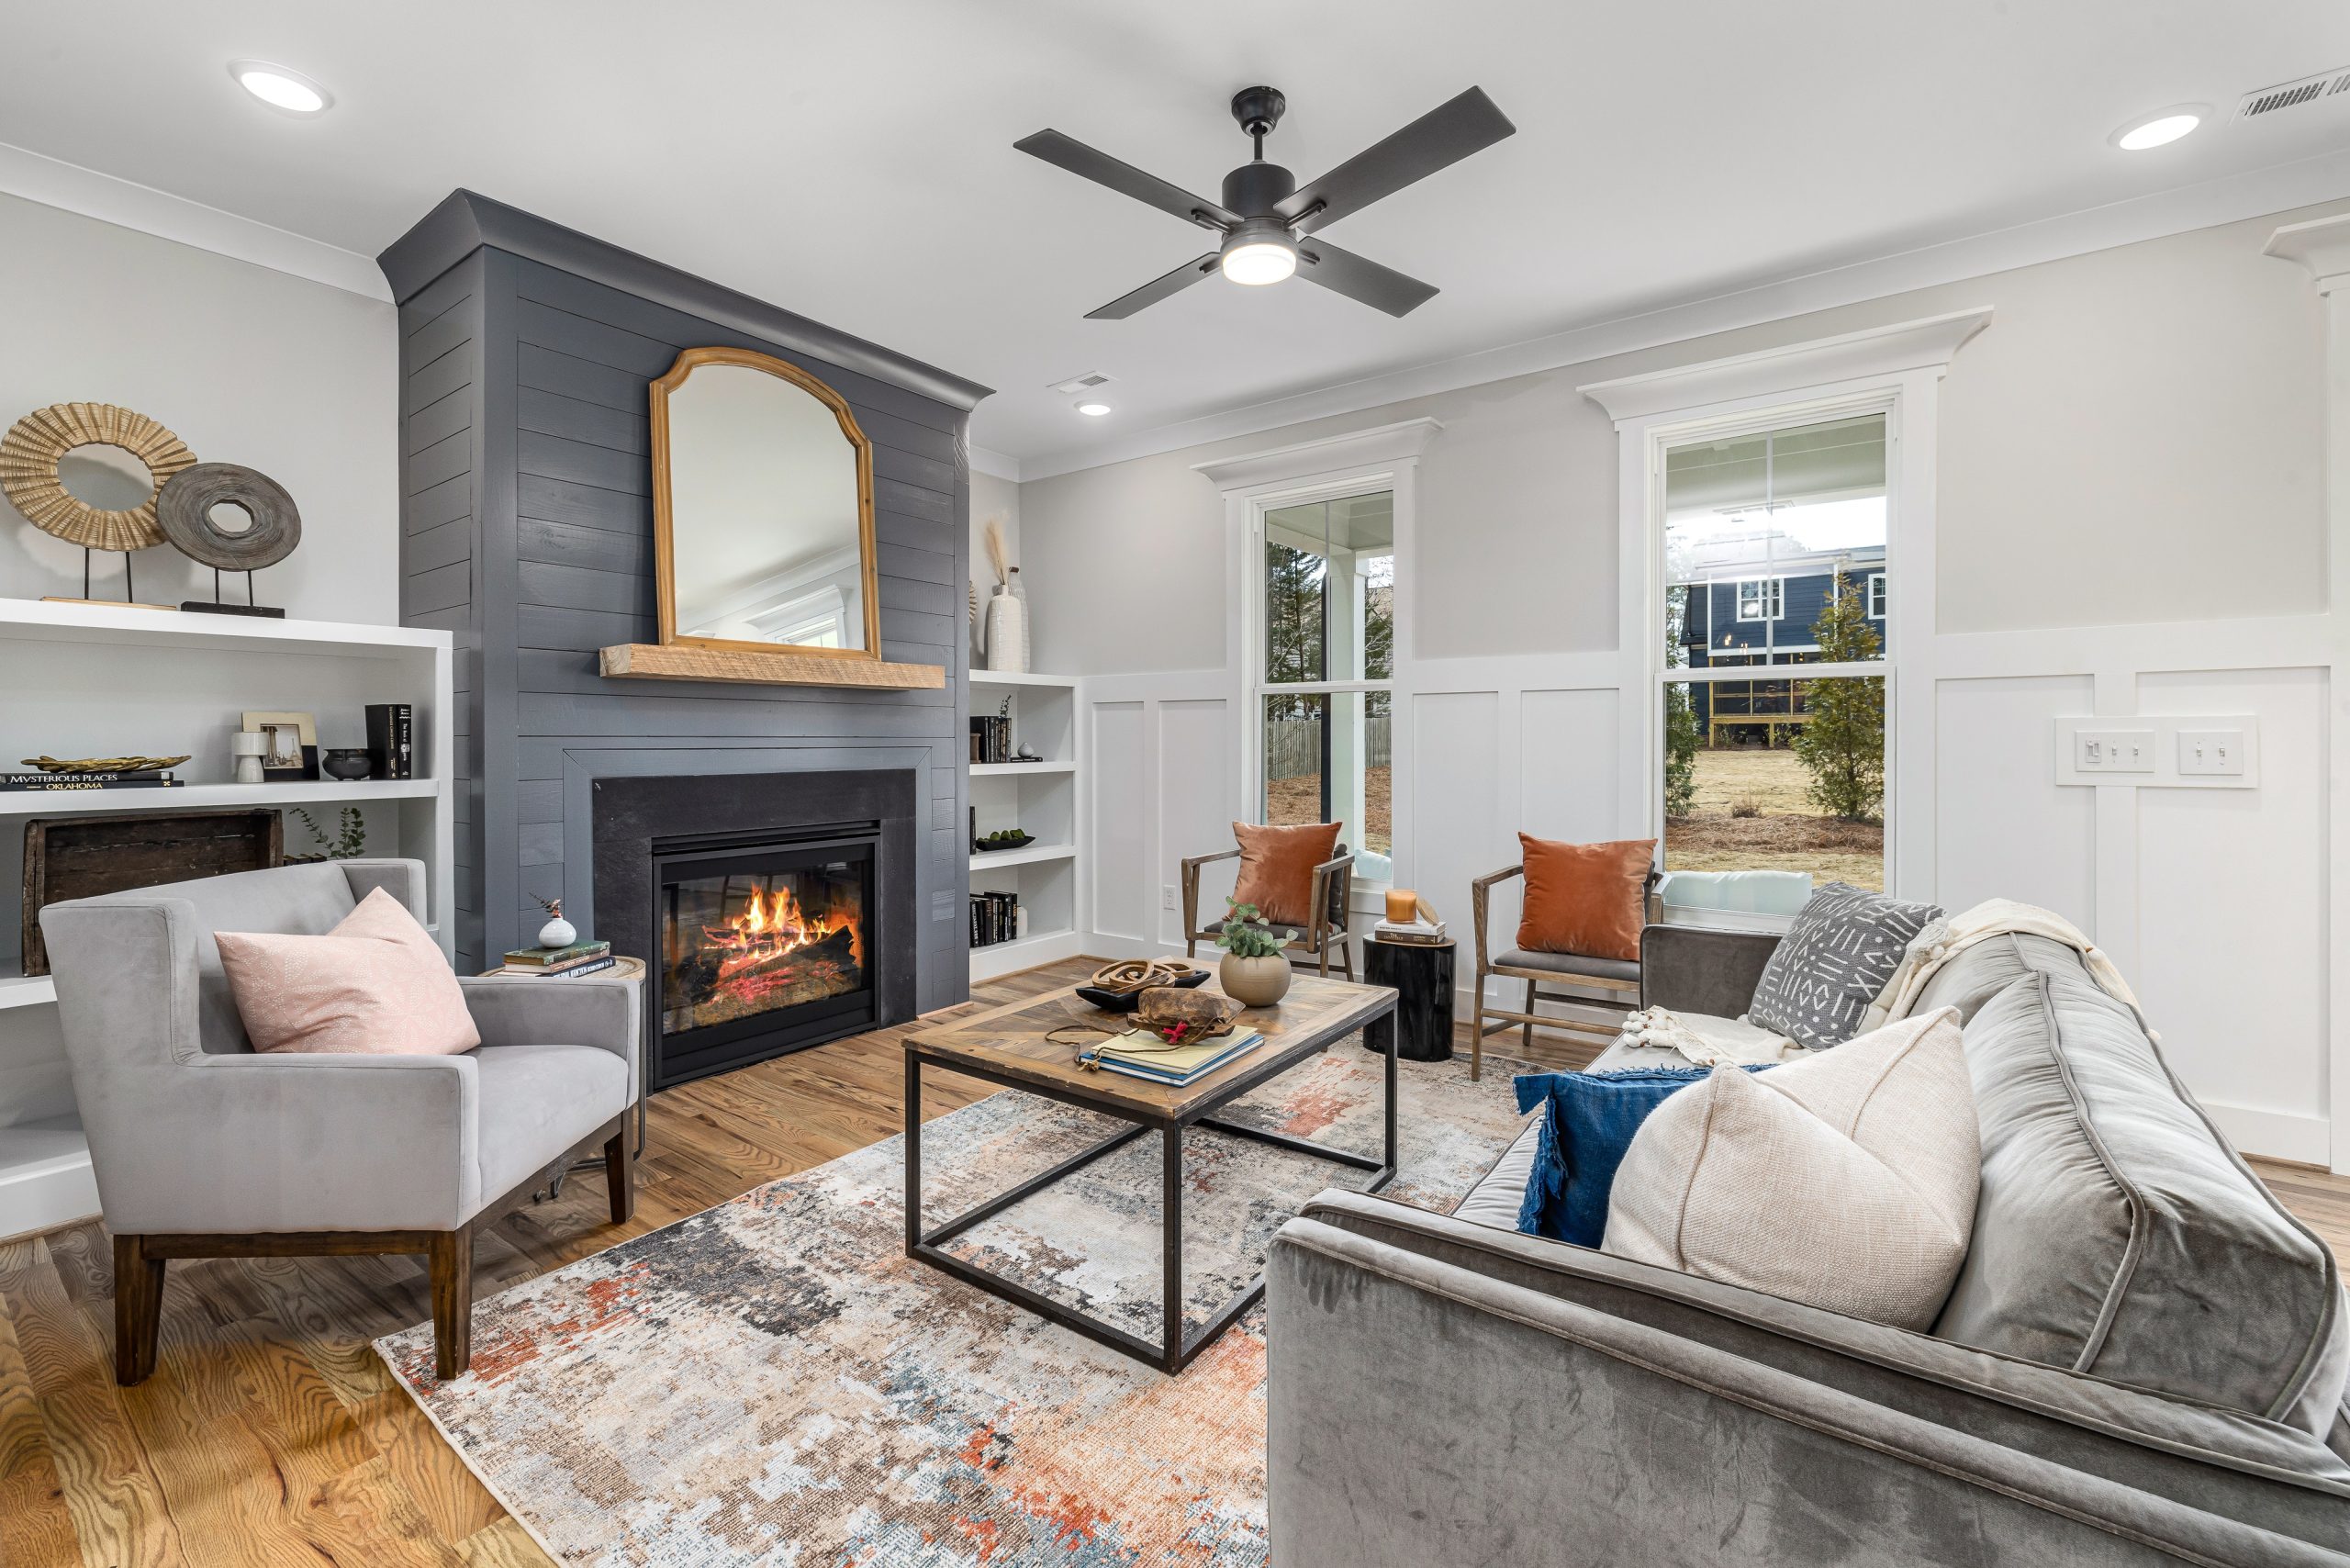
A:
[(293, 754)]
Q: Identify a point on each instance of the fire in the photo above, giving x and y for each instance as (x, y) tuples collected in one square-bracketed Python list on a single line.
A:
[(772, 925)]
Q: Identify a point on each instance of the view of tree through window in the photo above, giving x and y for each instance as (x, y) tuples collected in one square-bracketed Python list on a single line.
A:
[(1774, 550), (1329, 621)]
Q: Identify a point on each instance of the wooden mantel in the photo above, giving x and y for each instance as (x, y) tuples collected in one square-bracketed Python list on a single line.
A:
[(658, 661)]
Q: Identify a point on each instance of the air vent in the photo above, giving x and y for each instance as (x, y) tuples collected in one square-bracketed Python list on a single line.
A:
[(2293, 94), (1076, 384)]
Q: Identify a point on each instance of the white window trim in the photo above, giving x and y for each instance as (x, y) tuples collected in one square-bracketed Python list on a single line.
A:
[(1384, 458), (1873, 606), (1771, 600), (1896, 370)]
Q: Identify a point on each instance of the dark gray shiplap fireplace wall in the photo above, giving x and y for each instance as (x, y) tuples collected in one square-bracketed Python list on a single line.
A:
[(527, 529)]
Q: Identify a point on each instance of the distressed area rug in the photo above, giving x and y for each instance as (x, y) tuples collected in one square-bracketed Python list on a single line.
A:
[(774, 1381)]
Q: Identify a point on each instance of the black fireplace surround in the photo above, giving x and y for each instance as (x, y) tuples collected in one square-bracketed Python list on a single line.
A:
[(849, 831)]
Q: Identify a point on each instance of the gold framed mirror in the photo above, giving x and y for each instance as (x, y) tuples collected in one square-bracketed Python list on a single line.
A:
[(762, 509)]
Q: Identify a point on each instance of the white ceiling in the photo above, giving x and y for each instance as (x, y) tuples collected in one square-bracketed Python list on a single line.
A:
[(854, 162)]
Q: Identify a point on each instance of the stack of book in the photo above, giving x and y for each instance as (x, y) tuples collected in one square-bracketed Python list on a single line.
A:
[(145, 779), (995, 917), (1420, 932), (990, 738), (560, 963), (1139, 1053)]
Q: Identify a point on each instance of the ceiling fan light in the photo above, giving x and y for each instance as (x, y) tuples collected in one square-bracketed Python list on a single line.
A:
[(1257, 262)]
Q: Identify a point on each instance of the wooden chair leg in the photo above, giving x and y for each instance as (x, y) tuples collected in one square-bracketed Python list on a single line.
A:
[(620, 1174), (138, 1310), (452, 1303), (1527, 1033)]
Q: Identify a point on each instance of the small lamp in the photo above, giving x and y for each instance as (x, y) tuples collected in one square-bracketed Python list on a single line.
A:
[(249, 746)]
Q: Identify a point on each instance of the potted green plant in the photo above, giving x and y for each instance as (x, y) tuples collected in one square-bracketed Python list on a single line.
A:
[(1254, 971)]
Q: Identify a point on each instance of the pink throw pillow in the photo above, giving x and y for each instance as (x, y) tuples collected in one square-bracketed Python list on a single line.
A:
[(376, 984)]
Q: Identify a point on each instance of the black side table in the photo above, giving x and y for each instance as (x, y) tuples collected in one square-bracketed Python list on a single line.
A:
[(1421, 973)]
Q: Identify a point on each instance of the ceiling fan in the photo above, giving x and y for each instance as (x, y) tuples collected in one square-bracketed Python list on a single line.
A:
[(1266, 219)]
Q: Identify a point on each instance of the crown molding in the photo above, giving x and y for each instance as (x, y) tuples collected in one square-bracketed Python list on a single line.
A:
[(1304, 459), (2279, 188), (995, 464), (129, 205), (2322, 245), (1927, 343)]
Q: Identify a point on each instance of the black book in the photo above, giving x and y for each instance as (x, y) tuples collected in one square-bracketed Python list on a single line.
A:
[(391, 740)]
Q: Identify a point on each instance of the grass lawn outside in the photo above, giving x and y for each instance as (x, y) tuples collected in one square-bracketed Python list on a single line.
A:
[(1790, 834)]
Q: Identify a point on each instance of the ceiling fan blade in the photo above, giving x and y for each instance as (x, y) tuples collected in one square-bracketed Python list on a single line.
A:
[(1068, 152), (1443, 136), (1381, 289), (1157, 289)]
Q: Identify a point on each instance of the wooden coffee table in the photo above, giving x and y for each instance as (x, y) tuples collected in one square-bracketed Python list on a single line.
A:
[(1007, 1047)]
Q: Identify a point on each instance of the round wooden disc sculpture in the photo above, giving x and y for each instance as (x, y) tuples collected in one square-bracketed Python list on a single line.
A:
[(28, 458), (186, 516)]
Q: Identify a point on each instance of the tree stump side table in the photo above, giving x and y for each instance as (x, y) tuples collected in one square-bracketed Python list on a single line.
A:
[(1421, 973)]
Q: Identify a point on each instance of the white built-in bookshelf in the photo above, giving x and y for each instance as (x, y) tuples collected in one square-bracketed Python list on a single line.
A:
[(1040, 798), (105, 680)]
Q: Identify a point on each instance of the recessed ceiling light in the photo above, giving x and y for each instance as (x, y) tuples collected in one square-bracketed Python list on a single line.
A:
[(2160, 127), (281, 88), (1095, 410)]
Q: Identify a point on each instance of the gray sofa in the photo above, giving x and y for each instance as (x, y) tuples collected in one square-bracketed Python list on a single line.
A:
[(2142, 1360)]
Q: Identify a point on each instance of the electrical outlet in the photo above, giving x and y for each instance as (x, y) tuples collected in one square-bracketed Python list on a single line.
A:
[(2113, 751), (1167, 896), (2207, 752)]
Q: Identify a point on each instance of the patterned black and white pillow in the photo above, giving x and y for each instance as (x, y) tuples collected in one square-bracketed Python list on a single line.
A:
[(1829, 967)]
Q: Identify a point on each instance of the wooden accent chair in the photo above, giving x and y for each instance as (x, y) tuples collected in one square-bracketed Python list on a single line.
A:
[(1324, 937), (1619, 978), (204, 1147)]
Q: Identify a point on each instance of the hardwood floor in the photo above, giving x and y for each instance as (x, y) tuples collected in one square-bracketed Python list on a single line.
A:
[(271, 1433)]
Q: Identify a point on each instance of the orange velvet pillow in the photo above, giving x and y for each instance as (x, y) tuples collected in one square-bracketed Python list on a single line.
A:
[(1585, 897), (1277, 867)]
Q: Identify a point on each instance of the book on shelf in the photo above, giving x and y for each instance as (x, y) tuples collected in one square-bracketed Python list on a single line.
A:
[(990, 738), (562, 971), (556, 958), (1139, 1053), (391, 740), (995, 917), (30, 783)]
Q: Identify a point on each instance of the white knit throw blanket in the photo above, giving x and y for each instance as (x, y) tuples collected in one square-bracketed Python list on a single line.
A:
[(1709, 1042)]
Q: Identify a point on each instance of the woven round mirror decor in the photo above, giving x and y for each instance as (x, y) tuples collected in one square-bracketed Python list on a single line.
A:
[(185, 513), (28, 459)]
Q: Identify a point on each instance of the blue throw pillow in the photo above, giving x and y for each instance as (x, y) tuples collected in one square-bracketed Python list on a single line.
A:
[(1587, 1123)]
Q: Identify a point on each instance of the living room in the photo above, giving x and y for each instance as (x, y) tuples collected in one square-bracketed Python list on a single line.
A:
[(1682, 816)]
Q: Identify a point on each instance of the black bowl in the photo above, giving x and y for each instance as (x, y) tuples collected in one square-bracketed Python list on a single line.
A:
[(1115, 1002), (346, 762), (989, 846)]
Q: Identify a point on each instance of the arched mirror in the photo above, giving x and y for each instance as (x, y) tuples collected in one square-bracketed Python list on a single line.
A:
[(762, 508)]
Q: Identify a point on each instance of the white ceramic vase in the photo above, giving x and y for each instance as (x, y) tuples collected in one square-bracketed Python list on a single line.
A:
[(558, 933), (1007, 632)]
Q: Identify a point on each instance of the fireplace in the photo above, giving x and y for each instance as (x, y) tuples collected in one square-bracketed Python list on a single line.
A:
[(762, 947), (774, 910)]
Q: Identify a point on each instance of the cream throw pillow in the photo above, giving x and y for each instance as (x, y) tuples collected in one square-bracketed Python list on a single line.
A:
[(376, 984), (1845, 1180)]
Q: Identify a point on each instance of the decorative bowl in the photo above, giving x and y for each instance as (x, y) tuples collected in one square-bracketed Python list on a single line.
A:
[(990, 845), (346, 762), (1128, 1000)]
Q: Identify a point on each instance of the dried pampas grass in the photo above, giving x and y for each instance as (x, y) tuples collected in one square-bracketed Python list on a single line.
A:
[(993, 532)]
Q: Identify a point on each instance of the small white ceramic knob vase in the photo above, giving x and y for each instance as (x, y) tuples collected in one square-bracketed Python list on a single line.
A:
[(557, 933)]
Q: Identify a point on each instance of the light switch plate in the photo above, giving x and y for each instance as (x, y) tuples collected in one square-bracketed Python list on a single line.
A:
[(2113, 751), (2212, 753)]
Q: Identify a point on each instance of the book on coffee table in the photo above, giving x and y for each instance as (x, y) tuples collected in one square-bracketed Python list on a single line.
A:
[(1139, 1053)]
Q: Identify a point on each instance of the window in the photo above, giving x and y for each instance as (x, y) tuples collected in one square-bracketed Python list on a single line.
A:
[(1325, 672), (1772, 682), (1762, 599)]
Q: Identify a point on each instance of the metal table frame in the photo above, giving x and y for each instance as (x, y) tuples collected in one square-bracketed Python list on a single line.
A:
[(1177, 1345)]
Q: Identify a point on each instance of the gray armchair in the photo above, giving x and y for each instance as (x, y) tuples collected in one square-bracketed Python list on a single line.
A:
[(204, 1148)]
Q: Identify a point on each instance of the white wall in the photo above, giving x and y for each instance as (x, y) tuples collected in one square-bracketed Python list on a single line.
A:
[(245, 364), (2130, 519)]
